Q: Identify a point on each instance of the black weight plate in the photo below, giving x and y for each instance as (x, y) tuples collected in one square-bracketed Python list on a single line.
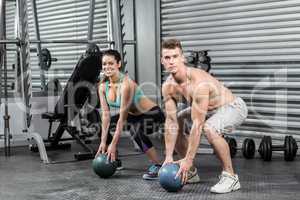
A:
[(248, 148), (288, 149), (232, 146), (295, 147), (267, 149), (261, 147)]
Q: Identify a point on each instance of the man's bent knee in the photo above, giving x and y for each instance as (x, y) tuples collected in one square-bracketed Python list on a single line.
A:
[(210, 133)]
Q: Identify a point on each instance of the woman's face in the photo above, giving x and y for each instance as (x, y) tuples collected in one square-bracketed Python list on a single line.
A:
[(110, 65)]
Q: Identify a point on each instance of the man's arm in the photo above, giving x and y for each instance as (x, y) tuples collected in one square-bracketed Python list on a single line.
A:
[(199, 110), (171, 124)]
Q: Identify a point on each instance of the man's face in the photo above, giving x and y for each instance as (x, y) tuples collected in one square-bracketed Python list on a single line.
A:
[(172, 59)]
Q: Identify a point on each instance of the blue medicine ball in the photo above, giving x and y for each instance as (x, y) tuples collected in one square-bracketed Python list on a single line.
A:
[(102, 167), (167, 177)]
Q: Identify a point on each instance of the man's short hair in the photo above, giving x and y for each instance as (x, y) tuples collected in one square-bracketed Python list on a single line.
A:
[(171, 44)]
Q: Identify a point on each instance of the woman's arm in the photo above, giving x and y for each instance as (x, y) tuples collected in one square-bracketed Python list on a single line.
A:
[(127, 92), (105, 119)]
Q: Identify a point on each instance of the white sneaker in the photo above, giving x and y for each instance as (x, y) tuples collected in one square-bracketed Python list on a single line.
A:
[(193, 176), (227, 183)]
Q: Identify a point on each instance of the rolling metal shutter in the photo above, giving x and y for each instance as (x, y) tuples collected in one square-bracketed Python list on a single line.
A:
[(65, 19), (11, 48), (58, 20), (254, 47)]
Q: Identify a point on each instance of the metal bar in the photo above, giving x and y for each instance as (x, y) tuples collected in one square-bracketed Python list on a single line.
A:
[(17, 54), (91, 20), (39, 46), (158, 41), (17, 41), (34, 50), (25, 60), (116, 26), (6, 116), (109, 24), (73, 41), (129, 42), (2, 49), (10, 41), (135, 39)]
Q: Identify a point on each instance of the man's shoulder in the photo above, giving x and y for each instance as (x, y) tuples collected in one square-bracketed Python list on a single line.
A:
[(197, 73), (169, 83), (169, 79), (169, 88), (199, 76)]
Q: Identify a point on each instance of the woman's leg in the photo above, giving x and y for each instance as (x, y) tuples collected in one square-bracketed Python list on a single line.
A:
[(143, 126), (144, 142)]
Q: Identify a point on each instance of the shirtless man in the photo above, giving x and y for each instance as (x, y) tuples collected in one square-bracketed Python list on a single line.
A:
[(213, 110)]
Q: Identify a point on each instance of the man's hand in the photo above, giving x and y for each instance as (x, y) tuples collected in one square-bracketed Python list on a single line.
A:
[(101, 149), (111, 152), (185, 166)]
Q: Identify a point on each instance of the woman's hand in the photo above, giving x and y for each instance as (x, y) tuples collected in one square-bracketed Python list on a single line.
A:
[(111, 152), (101, 149), (168, 160)]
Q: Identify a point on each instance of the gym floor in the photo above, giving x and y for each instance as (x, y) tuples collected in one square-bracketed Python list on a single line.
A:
[(24, 177)]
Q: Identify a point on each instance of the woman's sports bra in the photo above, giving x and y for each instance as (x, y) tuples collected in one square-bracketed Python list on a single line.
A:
[(138, 94)]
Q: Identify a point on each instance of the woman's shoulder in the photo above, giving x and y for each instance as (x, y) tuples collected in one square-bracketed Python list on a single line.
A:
[(128, 81), (101, 86)]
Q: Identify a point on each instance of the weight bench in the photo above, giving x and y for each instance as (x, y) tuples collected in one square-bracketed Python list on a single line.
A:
[(80, 89)]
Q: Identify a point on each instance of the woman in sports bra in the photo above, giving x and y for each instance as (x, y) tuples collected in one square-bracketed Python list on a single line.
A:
[(123, 103)]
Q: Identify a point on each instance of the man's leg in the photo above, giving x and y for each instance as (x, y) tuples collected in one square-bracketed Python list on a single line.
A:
[(228, 180), (221, 148), (225, 119)]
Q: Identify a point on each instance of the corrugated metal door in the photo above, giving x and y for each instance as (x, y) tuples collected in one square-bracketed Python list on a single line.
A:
[(11, 48), (65, 19), (254, 47), (58, 20)]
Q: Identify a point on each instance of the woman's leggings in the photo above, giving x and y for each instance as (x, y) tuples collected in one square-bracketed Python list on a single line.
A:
[(140, 126)]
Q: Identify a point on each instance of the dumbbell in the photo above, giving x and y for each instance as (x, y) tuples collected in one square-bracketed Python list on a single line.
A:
[(248, 147), (289, 148)]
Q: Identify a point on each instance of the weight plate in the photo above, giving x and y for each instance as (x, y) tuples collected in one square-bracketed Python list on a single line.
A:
[(267, 149), (232, 146), (261, 147), (288, 149), (295, 147), (248, 148)]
